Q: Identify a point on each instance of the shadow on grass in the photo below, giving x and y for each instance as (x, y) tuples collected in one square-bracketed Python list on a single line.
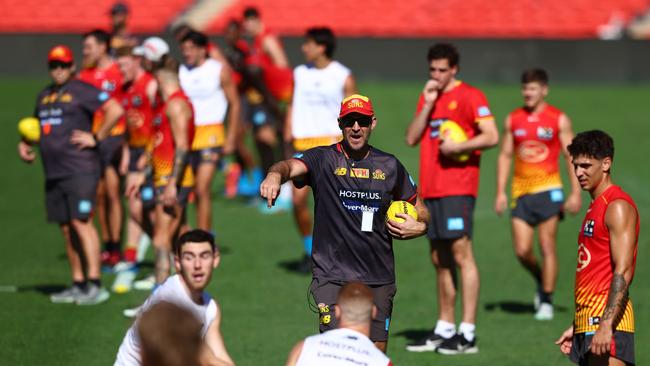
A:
[(517, 307), (412, 334), (297, 266), (46, 289)]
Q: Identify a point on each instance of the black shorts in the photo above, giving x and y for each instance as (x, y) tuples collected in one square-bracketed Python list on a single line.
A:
[(70, 197), (182, 194), (257, 114), (451, 217), (325, 294), (622, 347), (135, 153), (538, 207), (148, 194), (208, 155), (110, 152)]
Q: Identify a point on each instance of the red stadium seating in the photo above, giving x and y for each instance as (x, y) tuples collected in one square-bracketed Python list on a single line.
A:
[(146, 16), (440, 18)]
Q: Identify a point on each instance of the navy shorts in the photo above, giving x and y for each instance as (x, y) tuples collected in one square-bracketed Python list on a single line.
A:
[(110, 152), (70, 197), (182, 194), (208, 155), (538, 207), (325, 294), (452, 217), (135, 153), (622, 347), (257, 114)]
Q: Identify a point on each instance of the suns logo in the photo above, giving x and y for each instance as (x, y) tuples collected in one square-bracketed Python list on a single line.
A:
[(532, 151), (584, 257), (158, 139), (134, 118)]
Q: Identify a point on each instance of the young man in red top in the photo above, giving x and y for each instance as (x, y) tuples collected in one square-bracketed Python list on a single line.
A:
[(449, 186), (537, 135), (603, 327), (101, 71)]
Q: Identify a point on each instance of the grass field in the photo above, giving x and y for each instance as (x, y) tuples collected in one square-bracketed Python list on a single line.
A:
[(265, 304)]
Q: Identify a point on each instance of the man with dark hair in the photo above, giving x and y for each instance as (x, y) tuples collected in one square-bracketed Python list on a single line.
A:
[(449, 174), (349, 343), (208, 83), (603, 327), (120, 36), (71, 165), (319, 87), (353, 185), (100, 70), (195, 258), (537, 134)]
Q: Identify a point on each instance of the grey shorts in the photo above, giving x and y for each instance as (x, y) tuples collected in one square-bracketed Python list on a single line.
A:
[(70, 197), (622, 347), (538, 207), (110, 152), (325, 294), (451, 217)]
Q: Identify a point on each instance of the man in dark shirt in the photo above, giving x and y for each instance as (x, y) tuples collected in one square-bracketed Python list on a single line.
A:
[(65, 110), (353, 184)]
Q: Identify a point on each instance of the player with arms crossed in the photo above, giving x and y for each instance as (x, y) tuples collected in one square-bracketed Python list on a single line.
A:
[(449, 185), (319, 87), (537, 134), (353, 185), (603, 327), (349, 344), (195, 258)]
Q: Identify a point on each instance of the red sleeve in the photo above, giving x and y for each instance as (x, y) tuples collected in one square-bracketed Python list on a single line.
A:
[(479, 107)]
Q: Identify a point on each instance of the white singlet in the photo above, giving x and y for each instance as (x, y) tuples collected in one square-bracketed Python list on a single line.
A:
[(202, 84), (317, 97), (171, 291), (341, 347)]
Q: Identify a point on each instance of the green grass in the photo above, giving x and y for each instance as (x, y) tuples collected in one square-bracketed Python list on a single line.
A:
[(265, 305)]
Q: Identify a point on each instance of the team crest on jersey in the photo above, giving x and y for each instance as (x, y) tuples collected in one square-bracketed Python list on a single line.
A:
[(360, 173), (584, 257), (452, 105), (378, 175), (340, 171), (136, 101), (532, 151), (588, 230), (545, 133)]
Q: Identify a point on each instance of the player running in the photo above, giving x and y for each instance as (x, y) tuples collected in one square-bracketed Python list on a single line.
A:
[(101, 71), (449, 186), (353, 185), (537, 134), (207, 82), (319, 87), (172, 174), (603, 328), (72, 169), (195, 258)]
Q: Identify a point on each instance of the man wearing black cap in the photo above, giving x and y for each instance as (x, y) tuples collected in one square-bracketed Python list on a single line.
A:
[(353, 184), (71, 163), (120, 36)]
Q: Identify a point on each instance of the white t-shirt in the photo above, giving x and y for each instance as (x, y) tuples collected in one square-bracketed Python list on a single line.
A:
[(171, 291), (341, 347), (317, 97), (202, 84)]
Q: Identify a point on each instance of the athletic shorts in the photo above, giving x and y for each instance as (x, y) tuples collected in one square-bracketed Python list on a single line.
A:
[(70, 197), (257, 114), (110, 152), (451, 217), (148, 194), (538, 207), (208, 155), (182, 194), (325, 294), (622, 347), (135, 153)]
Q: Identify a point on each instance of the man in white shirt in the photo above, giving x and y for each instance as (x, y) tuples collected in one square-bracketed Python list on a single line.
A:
[(349, 344), (195, 258)]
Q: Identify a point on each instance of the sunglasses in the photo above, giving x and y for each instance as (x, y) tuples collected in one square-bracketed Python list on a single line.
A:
[(348, 122), (53, 65)]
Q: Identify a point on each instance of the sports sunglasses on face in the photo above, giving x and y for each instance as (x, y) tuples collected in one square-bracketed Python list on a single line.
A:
[(53, 65), (348, 122)]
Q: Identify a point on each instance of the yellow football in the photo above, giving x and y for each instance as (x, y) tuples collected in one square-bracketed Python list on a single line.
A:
[(30, 129), (400, 207), (451, 130)]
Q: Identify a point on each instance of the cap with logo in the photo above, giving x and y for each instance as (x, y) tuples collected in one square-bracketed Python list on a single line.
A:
[(356, 103), (153, 49), (60, 53)]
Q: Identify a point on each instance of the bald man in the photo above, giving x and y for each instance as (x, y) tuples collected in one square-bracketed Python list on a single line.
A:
[(349, 344)]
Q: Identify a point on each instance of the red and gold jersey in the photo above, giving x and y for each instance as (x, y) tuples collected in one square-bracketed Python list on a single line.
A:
[(441, 176), (595, 269), (279, 80), (162, 158), (537, 150), (139, 111), (110, 81)]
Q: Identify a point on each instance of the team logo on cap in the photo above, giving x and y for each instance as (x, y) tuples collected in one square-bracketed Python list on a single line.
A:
[(58, 52)]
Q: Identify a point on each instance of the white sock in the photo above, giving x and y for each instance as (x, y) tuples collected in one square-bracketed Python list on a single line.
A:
[(467, 330), (445, 329)]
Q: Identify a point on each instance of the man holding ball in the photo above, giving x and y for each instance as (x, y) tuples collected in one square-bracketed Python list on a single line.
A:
[(353, 184)]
